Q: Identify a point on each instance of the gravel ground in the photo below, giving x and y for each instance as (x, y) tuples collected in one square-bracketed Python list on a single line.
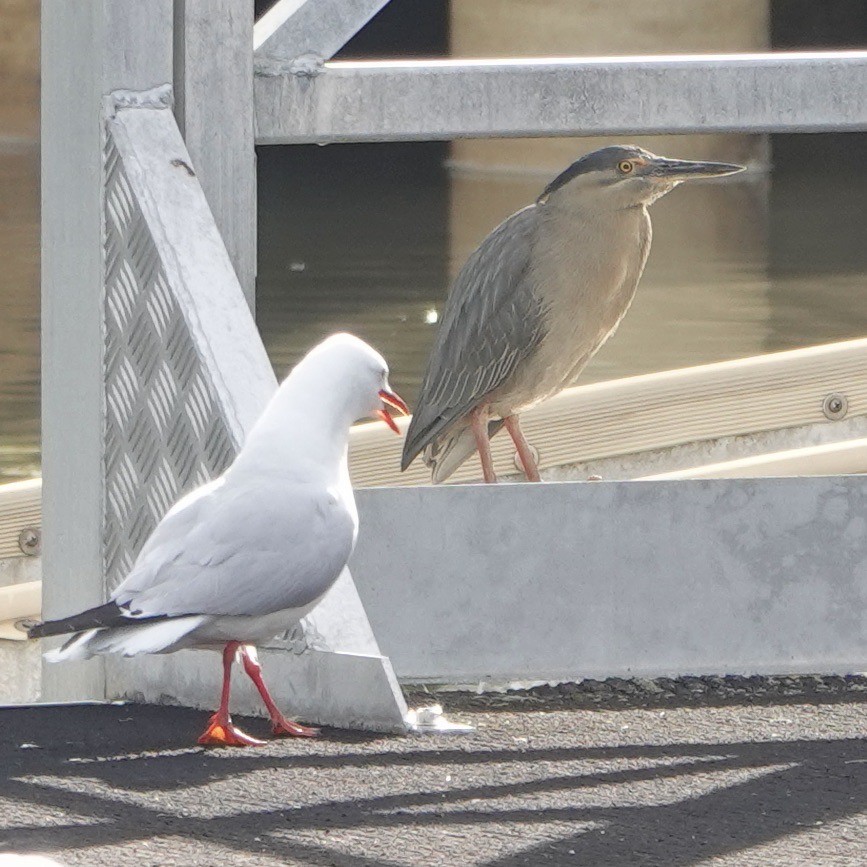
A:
[(722, 771)]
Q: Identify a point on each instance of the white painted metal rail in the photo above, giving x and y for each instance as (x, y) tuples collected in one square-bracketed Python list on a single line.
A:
[(446, 99), (829, 459), (657, 411), (20, 509)]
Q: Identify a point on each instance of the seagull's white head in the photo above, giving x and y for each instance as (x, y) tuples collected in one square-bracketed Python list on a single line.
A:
[(354, 374)]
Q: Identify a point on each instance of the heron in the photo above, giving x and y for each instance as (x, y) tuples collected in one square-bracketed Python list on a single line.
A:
[(536, 300)]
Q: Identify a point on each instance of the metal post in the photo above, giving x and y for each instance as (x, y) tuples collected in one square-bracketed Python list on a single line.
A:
[(214, 110), (88, 50)]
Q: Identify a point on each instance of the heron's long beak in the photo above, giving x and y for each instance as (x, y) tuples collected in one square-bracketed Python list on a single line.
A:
[(389, 398), (686, 170)]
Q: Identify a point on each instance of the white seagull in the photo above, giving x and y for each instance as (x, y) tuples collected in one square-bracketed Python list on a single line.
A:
[(245, 557)]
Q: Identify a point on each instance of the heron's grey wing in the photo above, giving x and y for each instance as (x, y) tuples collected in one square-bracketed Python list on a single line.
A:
[(493, 320), (254, 550)]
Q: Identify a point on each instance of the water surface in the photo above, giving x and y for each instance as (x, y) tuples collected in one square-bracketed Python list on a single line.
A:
[(366, 238)]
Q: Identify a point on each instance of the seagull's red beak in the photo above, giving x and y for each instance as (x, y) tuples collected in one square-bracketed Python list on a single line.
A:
[(389, 398)]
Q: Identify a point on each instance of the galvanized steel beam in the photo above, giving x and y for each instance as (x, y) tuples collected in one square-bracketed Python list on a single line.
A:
[(214, 108), (319, 28), (418, 100), (88, 50)]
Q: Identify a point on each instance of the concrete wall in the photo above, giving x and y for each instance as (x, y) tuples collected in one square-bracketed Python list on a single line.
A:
[(572, 580), (565, 581)]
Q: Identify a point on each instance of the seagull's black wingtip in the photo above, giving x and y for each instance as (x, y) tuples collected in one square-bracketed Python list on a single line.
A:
[(102, 617)]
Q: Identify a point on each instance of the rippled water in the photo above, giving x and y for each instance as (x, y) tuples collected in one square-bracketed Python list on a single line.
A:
[(366, 238)]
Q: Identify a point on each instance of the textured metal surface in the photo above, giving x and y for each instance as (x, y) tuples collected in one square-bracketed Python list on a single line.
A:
[(187, 378), (164, 433), (422, 100)]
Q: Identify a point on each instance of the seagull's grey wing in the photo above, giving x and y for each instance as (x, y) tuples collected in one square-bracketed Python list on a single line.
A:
[(176, 524), (253, 550), (493, 320)]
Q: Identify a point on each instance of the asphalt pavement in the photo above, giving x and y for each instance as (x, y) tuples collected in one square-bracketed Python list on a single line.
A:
[(592, 776)]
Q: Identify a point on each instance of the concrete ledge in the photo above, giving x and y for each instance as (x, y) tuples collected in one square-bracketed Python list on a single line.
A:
[(563, 581), (20, 672)]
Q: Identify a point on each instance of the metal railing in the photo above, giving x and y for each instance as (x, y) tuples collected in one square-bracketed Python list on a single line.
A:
[(204, 51)]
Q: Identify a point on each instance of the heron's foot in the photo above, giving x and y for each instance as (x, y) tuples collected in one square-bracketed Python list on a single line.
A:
[(221, 733), (289, 728)]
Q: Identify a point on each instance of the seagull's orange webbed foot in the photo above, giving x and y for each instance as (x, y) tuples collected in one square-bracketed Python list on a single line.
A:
[(282, 726), (221, 733), (279, 724)]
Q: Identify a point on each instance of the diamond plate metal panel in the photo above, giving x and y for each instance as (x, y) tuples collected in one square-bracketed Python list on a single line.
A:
[(164, 433)]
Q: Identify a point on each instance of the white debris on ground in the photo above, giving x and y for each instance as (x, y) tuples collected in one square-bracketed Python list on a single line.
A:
[(430, 720)]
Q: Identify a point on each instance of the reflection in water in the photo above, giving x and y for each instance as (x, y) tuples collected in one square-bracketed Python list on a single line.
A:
[(19, 310), (366, 237), (386, 228), (352, 237)]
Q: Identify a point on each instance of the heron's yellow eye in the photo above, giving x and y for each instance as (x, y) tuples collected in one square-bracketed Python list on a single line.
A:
[(625, 167)]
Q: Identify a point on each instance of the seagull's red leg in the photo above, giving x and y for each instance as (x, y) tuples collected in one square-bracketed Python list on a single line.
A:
[(479, 423), (220, 731), (525, 453), (279, 724)]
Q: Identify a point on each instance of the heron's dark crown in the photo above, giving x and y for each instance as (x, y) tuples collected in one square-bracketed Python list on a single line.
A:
[(595, 161)]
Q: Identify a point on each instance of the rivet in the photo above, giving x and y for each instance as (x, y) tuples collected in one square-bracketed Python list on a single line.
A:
[(835, 406), (533, 451), (30, 541)]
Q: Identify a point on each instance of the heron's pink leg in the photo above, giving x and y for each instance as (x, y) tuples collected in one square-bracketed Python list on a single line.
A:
[(279, 724), (479, 423), (220, 731), (525, 453)]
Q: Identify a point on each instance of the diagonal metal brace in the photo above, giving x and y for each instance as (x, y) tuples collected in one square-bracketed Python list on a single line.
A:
[(185, 376), (318, 28)]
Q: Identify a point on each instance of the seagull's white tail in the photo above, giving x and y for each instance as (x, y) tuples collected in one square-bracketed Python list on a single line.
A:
[(126, 640)]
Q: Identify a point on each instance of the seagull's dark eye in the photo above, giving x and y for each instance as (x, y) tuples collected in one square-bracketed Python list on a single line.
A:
[(625, 167)]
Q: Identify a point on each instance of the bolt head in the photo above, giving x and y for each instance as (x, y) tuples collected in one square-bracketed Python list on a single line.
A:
[(30, 541), (835, 406)]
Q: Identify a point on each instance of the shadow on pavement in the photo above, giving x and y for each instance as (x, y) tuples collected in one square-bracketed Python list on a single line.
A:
[(102, 773)]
